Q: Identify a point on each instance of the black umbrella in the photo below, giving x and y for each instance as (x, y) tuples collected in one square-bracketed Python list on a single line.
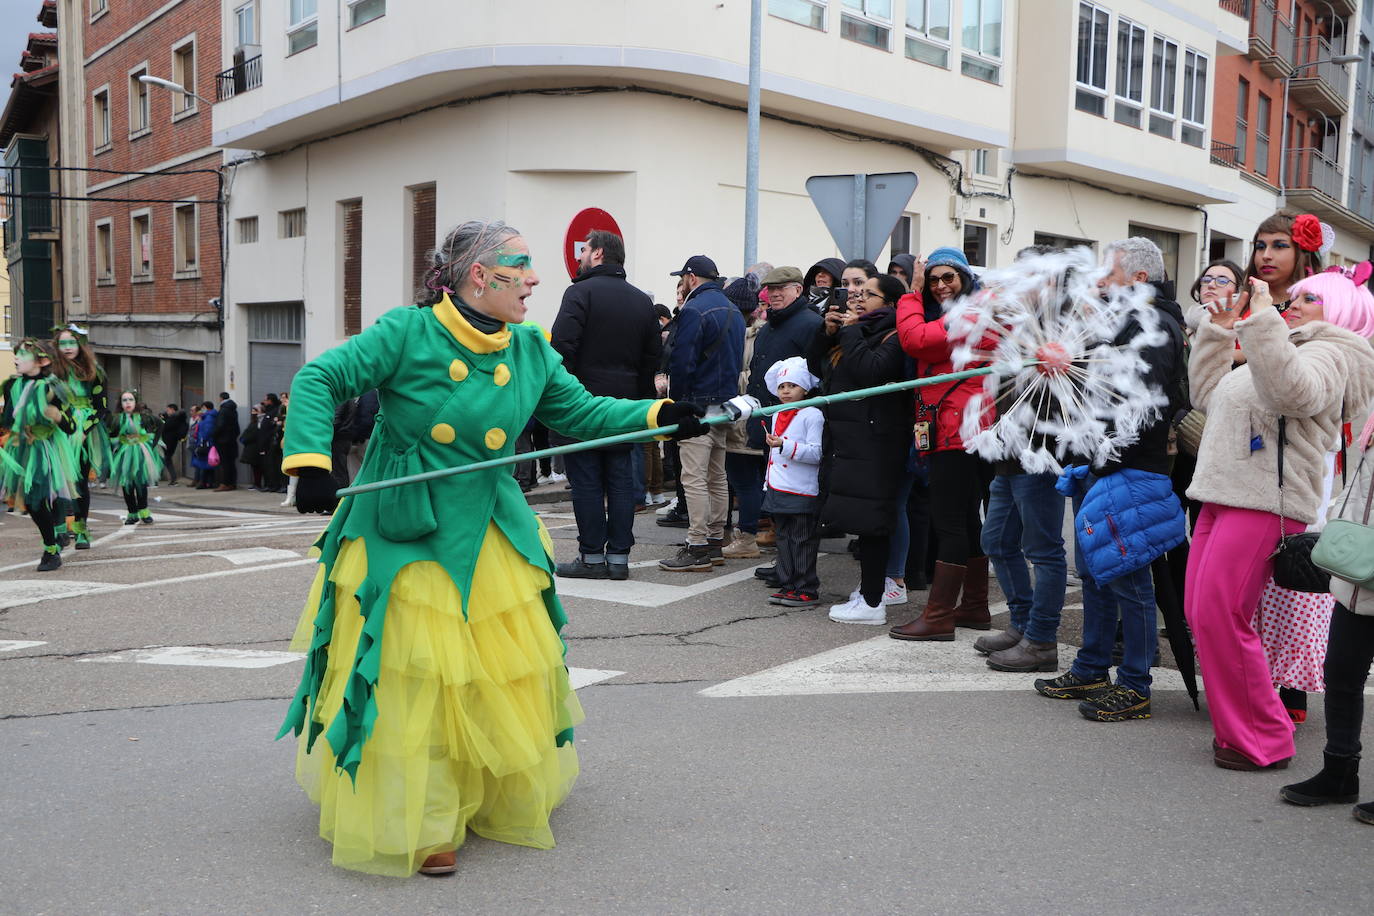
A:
[(1175, 626)]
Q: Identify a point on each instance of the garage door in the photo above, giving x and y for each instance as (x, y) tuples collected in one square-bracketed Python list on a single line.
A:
[(275, 351)]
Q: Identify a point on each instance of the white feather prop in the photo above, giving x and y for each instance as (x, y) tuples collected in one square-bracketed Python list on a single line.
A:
[(1084, 397)]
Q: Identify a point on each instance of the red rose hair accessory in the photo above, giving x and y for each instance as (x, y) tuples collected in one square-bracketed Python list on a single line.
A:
[(1307, 232)]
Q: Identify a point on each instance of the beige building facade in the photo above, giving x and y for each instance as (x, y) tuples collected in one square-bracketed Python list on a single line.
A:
[(357, 132)]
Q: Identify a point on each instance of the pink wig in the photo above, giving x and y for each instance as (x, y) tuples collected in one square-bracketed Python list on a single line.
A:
[(1346, 300)]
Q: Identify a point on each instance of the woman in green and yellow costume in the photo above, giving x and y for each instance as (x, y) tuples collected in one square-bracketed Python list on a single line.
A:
[(37, 462), (435, 697), (82, 387), (136, 465)]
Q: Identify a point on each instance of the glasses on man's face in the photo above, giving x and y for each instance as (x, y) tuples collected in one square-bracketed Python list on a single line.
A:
[(943, 279), (1221, 282)]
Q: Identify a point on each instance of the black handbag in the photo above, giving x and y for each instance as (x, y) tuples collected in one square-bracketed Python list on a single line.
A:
[(1293, 566)]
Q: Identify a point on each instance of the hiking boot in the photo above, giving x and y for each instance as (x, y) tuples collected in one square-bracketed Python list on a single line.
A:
[(743, 547), (1115, 704), (51, 559), (581, 569), (1069, 686), (675, 517), (715, 548), (1338, 782), (800, 599), (972, 612), (1025, 656), (986, 645), (691, 558), (766, 537)]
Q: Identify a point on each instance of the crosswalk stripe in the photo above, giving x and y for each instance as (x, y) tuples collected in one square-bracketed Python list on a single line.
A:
[(14, 645)]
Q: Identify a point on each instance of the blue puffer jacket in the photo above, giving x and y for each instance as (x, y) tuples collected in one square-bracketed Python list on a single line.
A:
[(1127, 520)]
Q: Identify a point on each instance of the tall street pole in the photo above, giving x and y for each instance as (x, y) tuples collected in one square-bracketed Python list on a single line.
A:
[(751, 165)]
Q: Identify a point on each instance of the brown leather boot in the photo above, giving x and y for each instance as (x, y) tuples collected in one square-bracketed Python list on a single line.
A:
[(936, 622), (972, 612), (441, 863)]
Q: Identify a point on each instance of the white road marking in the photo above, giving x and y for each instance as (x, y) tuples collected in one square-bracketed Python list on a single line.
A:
[(14, 645), (585, 677), (239, 557), (201, 656), (649, 594), (194, 537), (16, 592), (100, 588)]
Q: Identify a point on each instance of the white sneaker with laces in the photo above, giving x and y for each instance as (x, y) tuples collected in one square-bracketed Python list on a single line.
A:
[(861, 612), (893, 593), (843, 606)]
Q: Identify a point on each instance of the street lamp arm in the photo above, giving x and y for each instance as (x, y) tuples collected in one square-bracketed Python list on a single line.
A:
[(175, 87)]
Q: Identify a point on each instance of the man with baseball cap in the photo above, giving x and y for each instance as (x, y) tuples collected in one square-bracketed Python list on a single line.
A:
[(704, 367)]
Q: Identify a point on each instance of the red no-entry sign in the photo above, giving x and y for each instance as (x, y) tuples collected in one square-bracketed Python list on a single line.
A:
[(584, 224)]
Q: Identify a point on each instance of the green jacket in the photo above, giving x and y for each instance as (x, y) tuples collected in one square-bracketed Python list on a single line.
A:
[(449, 395)]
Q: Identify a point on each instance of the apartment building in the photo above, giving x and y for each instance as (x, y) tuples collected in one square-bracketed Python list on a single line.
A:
[(1290, 124), (153, 220), (359, 130)]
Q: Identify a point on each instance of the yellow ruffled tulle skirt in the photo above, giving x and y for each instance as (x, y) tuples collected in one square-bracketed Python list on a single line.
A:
[(467, 711)]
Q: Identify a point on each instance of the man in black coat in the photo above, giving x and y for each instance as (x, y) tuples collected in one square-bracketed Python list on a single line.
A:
[(790, 328), (608, 335), (174, 429), (225, 437)]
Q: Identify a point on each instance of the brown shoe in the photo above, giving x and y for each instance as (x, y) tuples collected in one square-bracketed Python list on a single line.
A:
[(441, 863), (986, 645), (1026, 656), (743, 547), (972, 612), (715, 548), (936, 623), (767, 536), (1230, 759), (224, 488)]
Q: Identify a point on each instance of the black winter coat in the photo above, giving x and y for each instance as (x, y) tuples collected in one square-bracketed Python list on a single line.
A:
[(788, 332), (227, 429), (174, 428), (608, 335), (1167, 372), (866, 441)]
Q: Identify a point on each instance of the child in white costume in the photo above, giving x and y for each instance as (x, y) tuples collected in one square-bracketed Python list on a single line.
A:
[(792, 486)]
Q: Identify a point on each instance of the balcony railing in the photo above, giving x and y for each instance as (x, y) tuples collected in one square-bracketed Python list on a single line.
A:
[(1317, 82), (238, 79), (1309, 169), (32, 215), (1316, 48), (1240, 7), (1225, 154)]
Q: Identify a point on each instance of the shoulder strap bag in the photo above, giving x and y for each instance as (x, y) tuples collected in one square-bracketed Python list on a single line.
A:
[(1346, 547), (1293, 565)]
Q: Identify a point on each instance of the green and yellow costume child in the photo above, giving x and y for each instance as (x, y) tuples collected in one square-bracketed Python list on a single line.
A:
[(37, 462), (136, 465), (435, 698), (82, 386)]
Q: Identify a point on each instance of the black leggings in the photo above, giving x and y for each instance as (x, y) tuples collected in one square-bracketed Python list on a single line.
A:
[(872, 567), (1349, 653), (136, 498), (83, 491), (46, 519), (958, 484)]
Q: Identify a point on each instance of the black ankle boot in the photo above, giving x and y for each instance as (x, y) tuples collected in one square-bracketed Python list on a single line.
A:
[(1338, 782)]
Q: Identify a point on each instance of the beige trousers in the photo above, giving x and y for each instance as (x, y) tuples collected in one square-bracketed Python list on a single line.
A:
[(704, 485)]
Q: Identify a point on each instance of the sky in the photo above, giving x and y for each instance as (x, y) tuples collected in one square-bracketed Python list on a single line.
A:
[(17, 19)]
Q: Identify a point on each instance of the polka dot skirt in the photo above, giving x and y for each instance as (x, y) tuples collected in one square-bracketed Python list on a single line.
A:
[(1293, 627)]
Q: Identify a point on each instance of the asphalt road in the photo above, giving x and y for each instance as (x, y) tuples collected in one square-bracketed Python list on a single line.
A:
[(825, 769)]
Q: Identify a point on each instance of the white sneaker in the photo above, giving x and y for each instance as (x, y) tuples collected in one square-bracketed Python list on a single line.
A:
[(668, 506), (860, 612), (843, 607), (289, 501), (558, 478), (893, 593)]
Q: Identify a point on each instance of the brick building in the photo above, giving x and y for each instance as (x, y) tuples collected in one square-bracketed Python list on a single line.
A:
[(153, 224)]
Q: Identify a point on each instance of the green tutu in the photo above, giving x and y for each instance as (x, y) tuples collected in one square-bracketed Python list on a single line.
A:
[(136, 463), (93, 448)]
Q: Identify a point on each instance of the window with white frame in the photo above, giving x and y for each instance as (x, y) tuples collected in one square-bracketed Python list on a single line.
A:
[(985, 163), (1130, 73), (303, 26), (184, 75), (99, 8), (1094, 33), (185, 240), (1194, 98), (1242, 119), (1262, 113), (248, 229), (246, 24), (810, 13), (869, 22), (927, 31), (139, 122), (100, 119), (291, 223), (982, 40), (104, 253), (1163, 87), (141, 246), (361, 12)]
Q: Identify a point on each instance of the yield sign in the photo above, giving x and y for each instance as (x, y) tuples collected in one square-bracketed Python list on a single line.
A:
[(861, 210)]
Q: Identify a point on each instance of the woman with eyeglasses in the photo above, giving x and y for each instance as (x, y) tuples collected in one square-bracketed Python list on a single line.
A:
[(958, 481), (865, 444), (1219, 279)]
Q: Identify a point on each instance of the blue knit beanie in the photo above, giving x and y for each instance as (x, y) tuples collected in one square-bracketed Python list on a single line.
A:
[(948, 257)]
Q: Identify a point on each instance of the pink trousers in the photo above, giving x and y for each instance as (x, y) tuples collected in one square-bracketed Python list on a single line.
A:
[(1228, 565)]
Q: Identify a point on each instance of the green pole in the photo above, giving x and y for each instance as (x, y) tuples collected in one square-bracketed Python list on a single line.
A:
[(646, 434)]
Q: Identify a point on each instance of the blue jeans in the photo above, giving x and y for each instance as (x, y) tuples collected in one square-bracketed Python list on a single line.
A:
[(745, 473), (900, 543), (1025, 521), (603, 501), (637, 473)]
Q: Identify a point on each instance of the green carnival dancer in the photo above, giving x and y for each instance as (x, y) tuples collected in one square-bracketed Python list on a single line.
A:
[(37, 461), (136, 465), (82, 385), (435, 697)]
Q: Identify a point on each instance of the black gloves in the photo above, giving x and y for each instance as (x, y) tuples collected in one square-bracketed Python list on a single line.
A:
[(685, 414), (316, 491)]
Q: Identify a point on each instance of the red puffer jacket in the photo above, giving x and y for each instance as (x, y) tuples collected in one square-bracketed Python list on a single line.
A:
[(928, 342)]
